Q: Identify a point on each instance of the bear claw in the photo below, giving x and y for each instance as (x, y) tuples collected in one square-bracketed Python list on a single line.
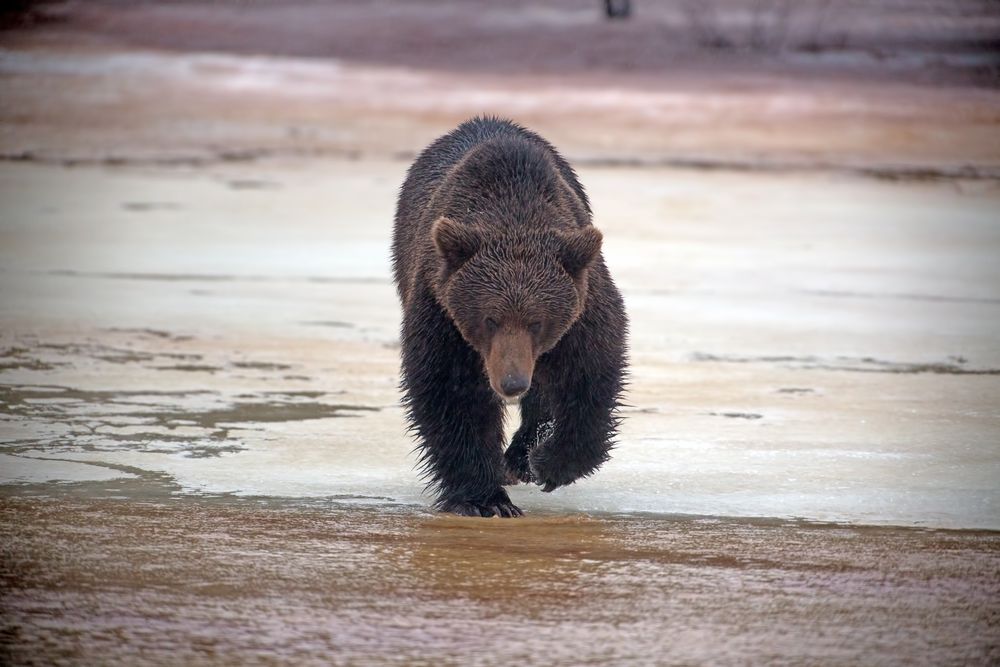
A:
[(515, 476), (506, 510), (548, 482), (498, 505)]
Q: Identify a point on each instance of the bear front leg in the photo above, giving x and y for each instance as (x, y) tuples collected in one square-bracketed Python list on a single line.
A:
[(456, 416), (536, 427), (588, 373)]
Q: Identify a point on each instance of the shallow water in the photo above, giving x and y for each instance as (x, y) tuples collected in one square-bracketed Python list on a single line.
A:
[(180, 580)]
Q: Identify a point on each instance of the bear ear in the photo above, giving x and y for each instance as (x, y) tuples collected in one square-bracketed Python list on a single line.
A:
[(579, 249), (455, 242)]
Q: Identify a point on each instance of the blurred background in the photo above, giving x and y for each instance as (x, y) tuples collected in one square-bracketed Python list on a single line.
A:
[(892, 85)]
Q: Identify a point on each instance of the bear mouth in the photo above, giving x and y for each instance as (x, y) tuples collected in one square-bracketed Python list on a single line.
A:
[(510, 387), (508, 399)]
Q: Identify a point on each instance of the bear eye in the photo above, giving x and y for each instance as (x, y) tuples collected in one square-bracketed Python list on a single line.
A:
[(535, 328), (491, 324)]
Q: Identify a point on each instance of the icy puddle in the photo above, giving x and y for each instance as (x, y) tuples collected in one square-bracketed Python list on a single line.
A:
[(825, 356)]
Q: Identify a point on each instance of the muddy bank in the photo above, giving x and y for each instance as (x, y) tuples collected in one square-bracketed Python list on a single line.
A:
[(179, 581), (929, 43), (898, 90)]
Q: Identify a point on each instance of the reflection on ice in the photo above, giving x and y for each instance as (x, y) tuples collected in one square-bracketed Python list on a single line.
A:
[(808, 390)]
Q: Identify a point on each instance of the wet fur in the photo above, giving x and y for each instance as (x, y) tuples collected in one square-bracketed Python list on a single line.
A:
[(492, 221)]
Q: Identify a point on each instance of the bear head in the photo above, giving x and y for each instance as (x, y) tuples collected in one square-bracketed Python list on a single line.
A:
[(513, 293)]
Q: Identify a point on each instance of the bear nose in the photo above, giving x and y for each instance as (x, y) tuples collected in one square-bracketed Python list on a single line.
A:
[(514, 385)]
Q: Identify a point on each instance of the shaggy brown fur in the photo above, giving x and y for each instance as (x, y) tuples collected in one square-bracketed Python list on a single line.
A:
[(505, 296)]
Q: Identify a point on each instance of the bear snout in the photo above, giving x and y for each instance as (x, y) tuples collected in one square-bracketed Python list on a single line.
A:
[(510, 363), (514, 384)]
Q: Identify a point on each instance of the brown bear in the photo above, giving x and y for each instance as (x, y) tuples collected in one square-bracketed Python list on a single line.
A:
[(505, 297)]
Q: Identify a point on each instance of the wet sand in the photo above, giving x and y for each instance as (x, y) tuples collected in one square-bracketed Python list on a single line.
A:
[(186, 581), (202, 452)]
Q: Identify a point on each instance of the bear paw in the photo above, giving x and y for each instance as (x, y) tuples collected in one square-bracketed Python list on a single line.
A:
[(547, 473), (516, 457), (518, 470), (498, 504)]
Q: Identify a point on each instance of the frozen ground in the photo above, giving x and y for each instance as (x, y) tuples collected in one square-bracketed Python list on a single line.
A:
[(201, 444), (814, 346)]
